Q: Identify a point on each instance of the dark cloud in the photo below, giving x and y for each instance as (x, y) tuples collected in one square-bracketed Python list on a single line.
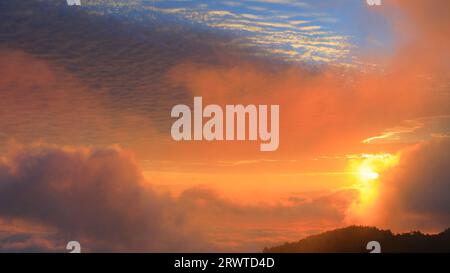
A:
[(94, 196), (416, 193), (29, 242)]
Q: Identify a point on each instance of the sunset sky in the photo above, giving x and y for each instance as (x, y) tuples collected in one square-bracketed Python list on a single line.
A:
[(86, 93)]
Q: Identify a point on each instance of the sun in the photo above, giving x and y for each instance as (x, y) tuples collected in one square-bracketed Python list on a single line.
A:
[(368, 171), (369, 167)]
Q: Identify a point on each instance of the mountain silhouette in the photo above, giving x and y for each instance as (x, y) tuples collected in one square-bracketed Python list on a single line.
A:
[(354, 239)]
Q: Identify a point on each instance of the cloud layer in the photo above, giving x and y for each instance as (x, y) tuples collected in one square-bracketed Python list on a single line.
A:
[(94, 196), (50, 195)]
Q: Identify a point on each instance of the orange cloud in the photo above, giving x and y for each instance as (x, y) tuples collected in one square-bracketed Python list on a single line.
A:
[(320, 111)]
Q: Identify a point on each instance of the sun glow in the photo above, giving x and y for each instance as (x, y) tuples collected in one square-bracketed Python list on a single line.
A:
[(368, 170), (369, 167)]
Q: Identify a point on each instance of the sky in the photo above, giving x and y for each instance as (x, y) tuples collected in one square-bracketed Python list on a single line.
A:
[(297, 31), (86, 94)]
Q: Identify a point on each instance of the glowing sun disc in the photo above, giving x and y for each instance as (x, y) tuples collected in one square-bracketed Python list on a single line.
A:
[(367, 173)]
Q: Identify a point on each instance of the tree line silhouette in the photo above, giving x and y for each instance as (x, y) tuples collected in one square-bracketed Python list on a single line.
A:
[(354, 239)]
